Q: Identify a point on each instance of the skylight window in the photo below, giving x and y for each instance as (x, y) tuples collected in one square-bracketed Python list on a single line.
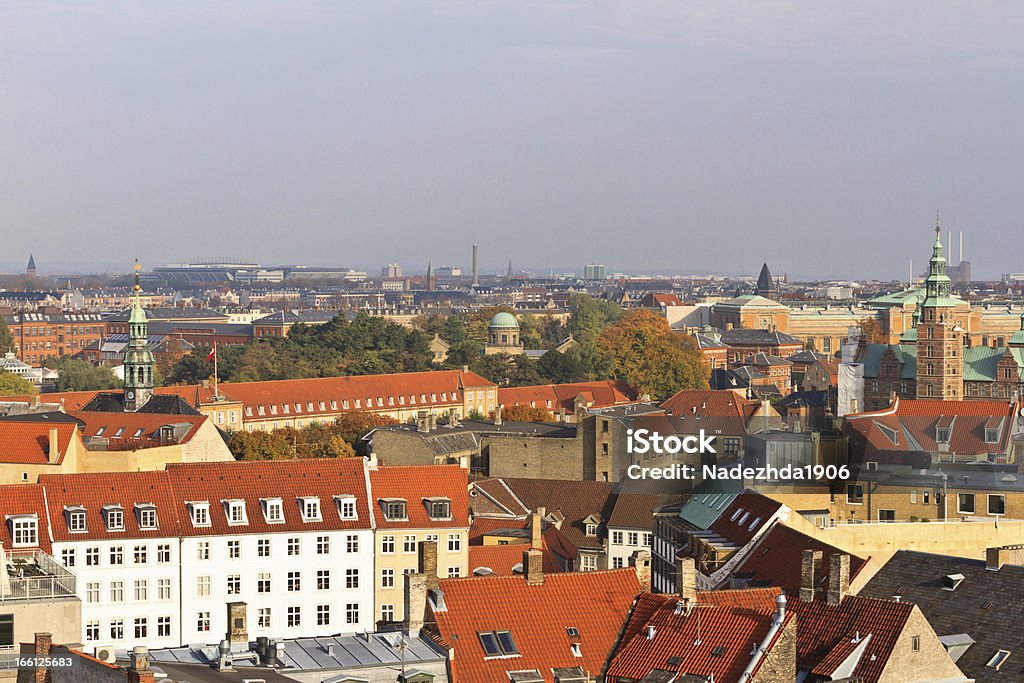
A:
[(951, 582), (498, 644), (998, 659)]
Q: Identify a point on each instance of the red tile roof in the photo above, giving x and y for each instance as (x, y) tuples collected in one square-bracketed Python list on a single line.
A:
[(709, 402), (23, 499), (29, 442), (416, 483), (745, 517), (484, 526), (576, 500), (778, 556), (554, 396), (502, 559), (826, 630), (595, 603), (729, 620), (121, 428)]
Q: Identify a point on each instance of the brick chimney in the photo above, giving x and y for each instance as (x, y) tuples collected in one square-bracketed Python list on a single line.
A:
[(41, 647), (427, 562), (415, 603), (537, 529), (686, 577), (810, 570), (533, 566), (53, 453), (838, 578), (641, 563), (138, 669)]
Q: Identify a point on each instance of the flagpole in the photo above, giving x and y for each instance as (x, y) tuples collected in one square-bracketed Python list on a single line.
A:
[(216, 393)]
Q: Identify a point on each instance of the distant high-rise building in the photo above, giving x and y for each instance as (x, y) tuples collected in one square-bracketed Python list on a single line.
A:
[(392, 270), (31, 269), (594, 271)]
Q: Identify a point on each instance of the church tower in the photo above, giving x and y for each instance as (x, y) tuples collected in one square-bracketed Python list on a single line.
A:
[(940, 341), (138, 359)]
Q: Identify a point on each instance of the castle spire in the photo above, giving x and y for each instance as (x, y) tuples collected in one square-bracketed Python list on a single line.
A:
[(138, 359)]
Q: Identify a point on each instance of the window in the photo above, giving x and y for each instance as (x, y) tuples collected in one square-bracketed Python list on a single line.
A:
[(236, 512), (591, 530), (323, 545), (141, 590), (454, 572), (263, 620), (498, 644), (996, 504), (310, 509), (163, 589), (141, 554), (294, 581), (163, 553), (92, 592), (394, 509), (202, 586), (92, 630), (115, 518), (234, 550), (141, 627), (263, 547), (991, 435), (323, 579), (147, 517), (886, 515), (387, 544), (387, 578), (200, 514), (633, 538), (263, 582), (588, 563), (387, 612), (965, 503), (352, 613), (408, 544), (117, 629), (347, 505), (163, 627), (616, 538), (942, 435), (454, 542), (352, 543), (117, 591), (323, 615), (855, 494), (67, 557), (294, 616), (76, 521), (273, 511), (439, 508), (203, 622), (234, 584), (293, 546), (351, 578), (915, 643), (92, 557), (647, 538), (203, 550), (24, 531), (924, 496), (116, 555)]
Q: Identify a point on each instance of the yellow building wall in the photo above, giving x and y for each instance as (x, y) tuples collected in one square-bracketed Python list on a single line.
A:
[(401, 561)]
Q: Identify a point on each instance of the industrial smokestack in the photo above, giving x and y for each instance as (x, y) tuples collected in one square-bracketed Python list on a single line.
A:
[(961, 252), (476, 270)]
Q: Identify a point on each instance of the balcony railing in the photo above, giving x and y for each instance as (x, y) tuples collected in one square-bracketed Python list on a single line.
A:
[(34, 575), (8, 657)]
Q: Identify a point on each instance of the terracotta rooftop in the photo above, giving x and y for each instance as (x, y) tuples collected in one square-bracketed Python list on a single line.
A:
[(555, 396), (28, 442), (719, 403), (776, 560), (416, 485)]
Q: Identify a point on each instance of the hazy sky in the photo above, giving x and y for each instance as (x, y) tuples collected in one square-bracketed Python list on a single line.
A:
[(644, 135)]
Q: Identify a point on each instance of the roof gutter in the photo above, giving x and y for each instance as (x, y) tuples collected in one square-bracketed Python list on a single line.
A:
[(762, 649)]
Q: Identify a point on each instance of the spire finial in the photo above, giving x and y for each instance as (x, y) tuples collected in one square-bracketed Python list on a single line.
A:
[(937, 228)]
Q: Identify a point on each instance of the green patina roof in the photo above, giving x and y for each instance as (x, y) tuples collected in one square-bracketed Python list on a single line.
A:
[(704, 508), (504, 320), (1017, 338), (138, 315), (898, 298), (980, 363), (909, 336)]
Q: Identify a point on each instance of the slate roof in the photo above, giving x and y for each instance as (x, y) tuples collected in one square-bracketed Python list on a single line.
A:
[(136, 430), (113, 402), (537, 617), (726, 624), (987, 605), (745, 517), (742, 336)]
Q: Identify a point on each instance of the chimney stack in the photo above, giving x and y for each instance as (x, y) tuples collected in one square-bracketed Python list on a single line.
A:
[(537, 528), (415, 603), (686, 570), (497, 415), (810, 569), (427, 562), (533, 566), (53, 454), (641, 563), (43, 641), (838, 578), (995, 558)]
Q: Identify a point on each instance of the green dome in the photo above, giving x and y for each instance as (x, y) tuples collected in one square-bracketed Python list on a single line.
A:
[(137, 316), (504, 321)]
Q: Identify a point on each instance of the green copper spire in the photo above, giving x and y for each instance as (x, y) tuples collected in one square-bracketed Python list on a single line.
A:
[(937, 285), (138, 359)]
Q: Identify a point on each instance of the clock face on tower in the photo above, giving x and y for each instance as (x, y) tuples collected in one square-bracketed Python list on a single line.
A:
[(129, 395)]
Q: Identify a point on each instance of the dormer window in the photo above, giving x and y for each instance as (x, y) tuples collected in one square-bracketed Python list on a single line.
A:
[(24, 530), (114, 517), (439, 508), (146, 513), (310, 509), (942, 435), (394, 509), (346, 506), (991, 435), (273, 510), (200, 513), (76, 519), (591, 530), (235, 510)]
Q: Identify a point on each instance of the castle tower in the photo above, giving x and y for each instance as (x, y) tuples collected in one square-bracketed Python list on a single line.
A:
[(138, 359), (31, 269), (940, 341)]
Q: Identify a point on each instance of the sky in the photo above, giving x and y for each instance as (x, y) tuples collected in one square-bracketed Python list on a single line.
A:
[(647, 135)]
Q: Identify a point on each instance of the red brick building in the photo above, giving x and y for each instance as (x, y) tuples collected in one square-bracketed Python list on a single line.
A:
[(38, 336)]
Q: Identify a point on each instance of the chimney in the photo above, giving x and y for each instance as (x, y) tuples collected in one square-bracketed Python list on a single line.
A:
[(415, 603), (995, 558), (810, 569), (780, 608), (838, 578), (422, 422), (53, 453), (641, 563), (431, 422), (561, 414), (533, 566), (686, 570), (497, 415), (537, 529), (43, 641), (427, 562), (138, 669)]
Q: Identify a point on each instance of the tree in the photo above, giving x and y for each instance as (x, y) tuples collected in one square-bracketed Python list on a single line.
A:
[(80, 375), (589, 316), (872, 331), (260, 445), (6, 340), (353, 426), (645, 352), (13, 385), (522, 413)]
